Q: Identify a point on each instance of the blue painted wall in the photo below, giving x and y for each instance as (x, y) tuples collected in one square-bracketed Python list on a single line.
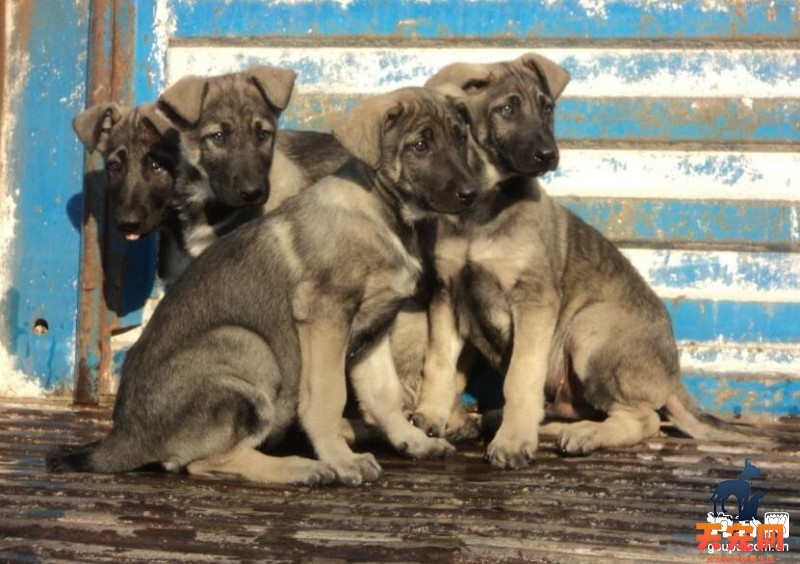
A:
[(741, 344), (47, 68)]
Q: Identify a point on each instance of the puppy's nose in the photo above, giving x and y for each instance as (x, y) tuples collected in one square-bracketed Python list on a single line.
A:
[(546, 157), (251, 193), (466, 194), (129, 221)]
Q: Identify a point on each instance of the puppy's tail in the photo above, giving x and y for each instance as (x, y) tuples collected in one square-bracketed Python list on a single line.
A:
[(97, 456), (682, 410), (71, 458)]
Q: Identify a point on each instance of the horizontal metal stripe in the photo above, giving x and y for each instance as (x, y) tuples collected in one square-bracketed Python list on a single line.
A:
[(675, 222), (710, 120), (732, 276), (541, 19), (730, 395), (722, 320), (623, 119), (615, 73), (740, 358), (686, 175)]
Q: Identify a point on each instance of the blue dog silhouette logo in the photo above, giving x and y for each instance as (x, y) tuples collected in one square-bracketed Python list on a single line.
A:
[(747, 507)]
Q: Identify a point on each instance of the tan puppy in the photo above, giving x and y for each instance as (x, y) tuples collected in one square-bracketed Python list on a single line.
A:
[(544, 296)]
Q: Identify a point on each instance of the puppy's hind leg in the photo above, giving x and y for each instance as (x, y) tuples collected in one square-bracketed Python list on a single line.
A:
[(626, 425), (380, 396), (439, 390), (250, 464)]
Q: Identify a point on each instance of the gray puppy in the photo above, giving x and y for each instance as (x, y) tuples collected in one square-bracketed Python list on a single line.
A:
[(234, 165), (544, 296), (263, 325), (141, 151), (200, 183)]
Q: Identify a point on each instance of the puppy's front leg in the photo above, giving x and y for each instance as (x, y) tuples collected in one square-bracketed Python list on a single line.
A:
[(515, 443), (439, 380), (380, 396), (323, 392)]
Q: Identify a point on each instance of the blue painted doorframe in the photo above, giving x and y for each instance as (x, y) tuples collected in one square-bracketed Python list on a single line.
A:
[(41, 192), (67, 279), (679, 134)]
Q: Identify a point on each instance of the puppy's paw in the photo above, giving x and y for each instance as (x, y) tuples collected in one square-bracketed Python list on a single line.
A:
[(432, 424), (304, 471), (513, 454), (361, 468), (578, 439), (420, 446)]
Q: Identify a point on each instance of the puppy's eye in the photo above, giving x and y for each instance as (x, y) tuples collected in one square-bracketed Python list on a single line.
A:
[(156, 167), (217, 138), (421, 146), (507, 110), (114, 167), (263, 134), (548, 107)]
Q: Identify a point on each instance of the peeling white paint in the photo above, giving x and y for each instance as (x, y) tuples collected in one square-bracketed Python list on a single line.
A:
[(164, 25), (685, 175), (594, 8), (13, 383), (597, 73), (721, 357), (720, 275)]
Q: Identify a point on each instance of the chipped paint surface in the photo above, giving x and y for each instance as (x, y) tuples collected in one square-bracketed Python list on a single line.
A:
[(685, 175), (489, 19), (684, 155), (720, 275), (722, 357), (13, 382), (596, 73)]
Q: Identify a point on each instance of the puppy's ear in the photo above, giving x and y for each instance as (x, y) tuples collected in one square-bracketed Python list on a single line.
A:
[(361, 129), (275, 83), (553, 76), (155, 119), (469, 77), (93, 125), (184, 99)]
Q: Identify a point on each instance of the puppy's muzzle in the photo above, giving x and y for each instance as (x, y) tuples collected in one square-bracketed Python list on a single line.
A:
[(254, 194), (546, 159), (466, 194)]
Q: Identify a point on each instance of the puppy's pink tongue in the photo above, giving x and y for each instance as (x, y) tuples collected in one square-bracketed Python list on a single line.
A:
[(132, 236)]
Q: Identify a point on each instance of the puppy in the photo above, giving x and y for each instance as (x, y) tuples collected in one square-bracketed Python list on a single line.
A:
[(263, 324), (141, 151), (195, 188), (544, 296)]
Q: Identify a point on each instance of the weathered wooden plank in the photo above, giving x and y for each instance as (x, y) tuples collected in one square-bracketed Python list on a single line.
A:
[(631, 505)]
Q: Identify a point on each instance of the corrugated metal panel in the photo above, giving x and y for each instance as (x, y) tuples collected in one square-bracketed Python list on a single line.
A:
[(679, 132)]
